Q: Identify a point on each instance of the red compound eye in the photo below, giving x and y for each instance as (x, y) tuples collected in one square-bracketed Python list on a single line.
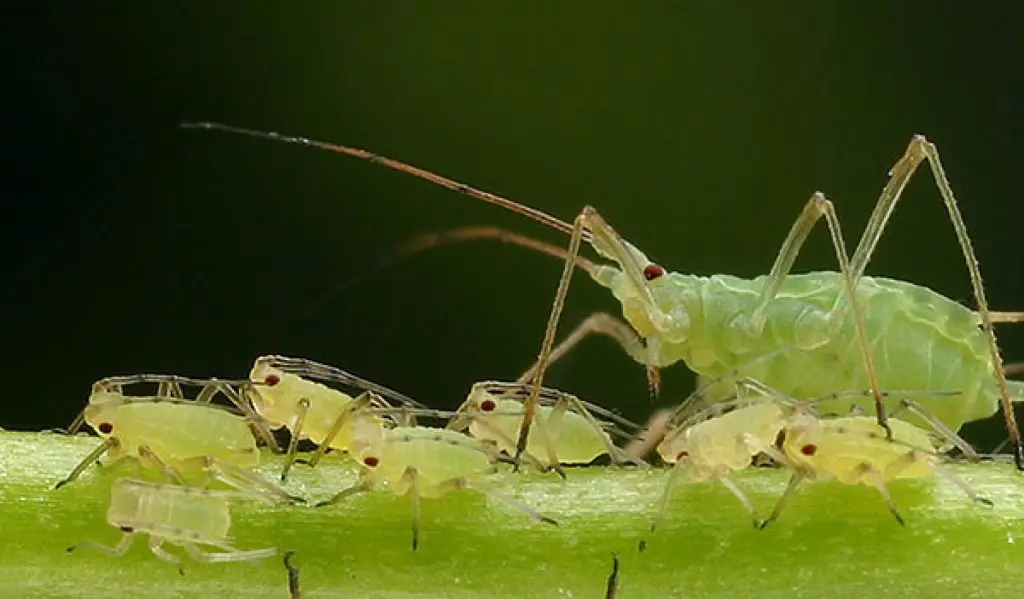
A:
[(809, 449), (272, 379), (488, 405), (106, 428), (682, 455), (371, 462), (653, 271), (127, 529)]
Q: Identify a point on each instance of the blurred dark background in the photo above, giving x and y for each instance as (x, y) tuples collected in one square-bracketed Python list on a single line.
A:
[(698, 129)]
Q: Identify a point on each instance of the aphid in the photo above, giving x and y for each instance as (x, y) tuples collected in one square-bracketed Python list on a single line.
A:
[(853, 449), (185, 516), (314, 411), (842, 322), (566, 430), (174, 435), (429, 462)]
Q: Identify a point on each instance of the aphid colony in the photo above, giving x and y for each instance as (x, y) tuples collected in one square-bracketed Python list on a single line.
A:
[(199, 432)]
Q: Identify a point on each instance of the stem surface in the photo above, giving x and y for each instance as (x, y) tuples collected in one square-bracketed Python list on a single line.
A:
[(833, 541)]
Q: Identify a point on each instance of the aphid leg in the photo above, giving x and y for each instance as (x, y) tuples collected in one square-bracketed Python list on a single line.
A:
[(127, 536), (414, 492), (358, 403), (617, 455), (738, 492), (156, 547), (877, 479), (293, 575), (612, 588), (360, 487), (301, 410), (964, 486), (232, 555), (919, 150), (93, 456), (530, 406), (171, 388), (243, 479), (794, 483), (241, 400), (666, 495), (76, 424), (146, 455), (944, 431), (509, 442), (818, 206), (599, 323), (465, 483), (646, 440)]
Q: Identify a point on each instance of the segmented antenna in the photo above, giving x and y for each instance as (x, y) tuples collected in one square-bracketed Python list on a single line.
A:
[(537, 215)]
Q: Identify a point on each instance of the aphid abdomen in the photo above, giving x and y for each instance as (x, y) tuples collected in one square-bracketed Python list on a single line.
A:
[(178, 431), (576, 442), (437, 455), (182, 514)]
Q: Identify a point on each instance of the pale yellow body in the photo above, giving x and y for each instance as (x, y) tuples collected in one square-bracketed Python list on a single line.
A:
[(175, 431), (184, 516), (854, 449), (436, 455), (715, 447), (279, 405)]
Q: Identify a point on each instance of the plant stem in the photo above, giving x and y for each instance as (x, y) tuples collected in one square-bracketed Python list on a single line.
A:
[(833, 541)]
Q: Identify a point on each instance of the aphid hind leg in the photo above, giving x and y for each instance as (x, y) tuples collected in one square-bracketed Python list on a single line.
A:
[(617, 455), (233, 555), (530, 406), (738, 492), (944, 431), (816, 208), (465, 483), (666, 495), (244, 480), (146, 455), (919, 150), (301, 411)]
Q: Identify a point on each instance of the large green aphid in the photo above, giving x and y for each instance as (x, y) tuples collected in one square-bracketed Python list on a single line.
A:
[(838, 330)]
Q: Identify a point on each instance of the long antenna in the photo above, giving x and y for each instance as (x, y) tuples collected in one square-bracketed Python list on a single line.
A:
[(537, 215)]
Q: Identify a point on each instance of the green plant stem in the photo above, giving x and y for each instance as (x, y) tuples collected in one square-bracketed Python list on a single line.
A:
[(833, 541)]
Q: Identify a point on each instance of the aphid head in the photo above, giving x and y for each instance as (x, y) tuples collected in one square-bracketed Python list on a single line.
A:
[(102, 417), (269, 396), (648, 293)]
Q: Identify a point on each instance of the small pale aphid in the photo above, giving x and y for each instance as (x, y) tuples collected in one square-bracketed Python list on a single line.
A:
[(287, 397), (184, 516), (429, 462), (711, 446), (175, 436), (854, 450), (564, 431)]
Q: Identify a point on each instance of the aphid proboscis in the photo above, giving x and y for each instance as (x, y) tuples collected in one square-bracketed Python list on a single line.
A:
[(429, 462), (185, 516), (287, 397), (717, 323), (175, 436), (853, 449), (567, 430)]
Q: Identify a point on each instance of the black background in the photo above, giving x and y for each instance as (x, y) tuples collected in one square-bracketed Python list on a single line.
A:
[(698, 129)]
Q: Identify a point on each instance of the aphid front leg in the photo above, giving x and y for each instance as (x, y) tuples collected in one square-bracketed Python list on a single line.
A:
[(244, 480), (364, 485), (359, 403), (89, 459), (146, 455), (301, 410), (794, 484)]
